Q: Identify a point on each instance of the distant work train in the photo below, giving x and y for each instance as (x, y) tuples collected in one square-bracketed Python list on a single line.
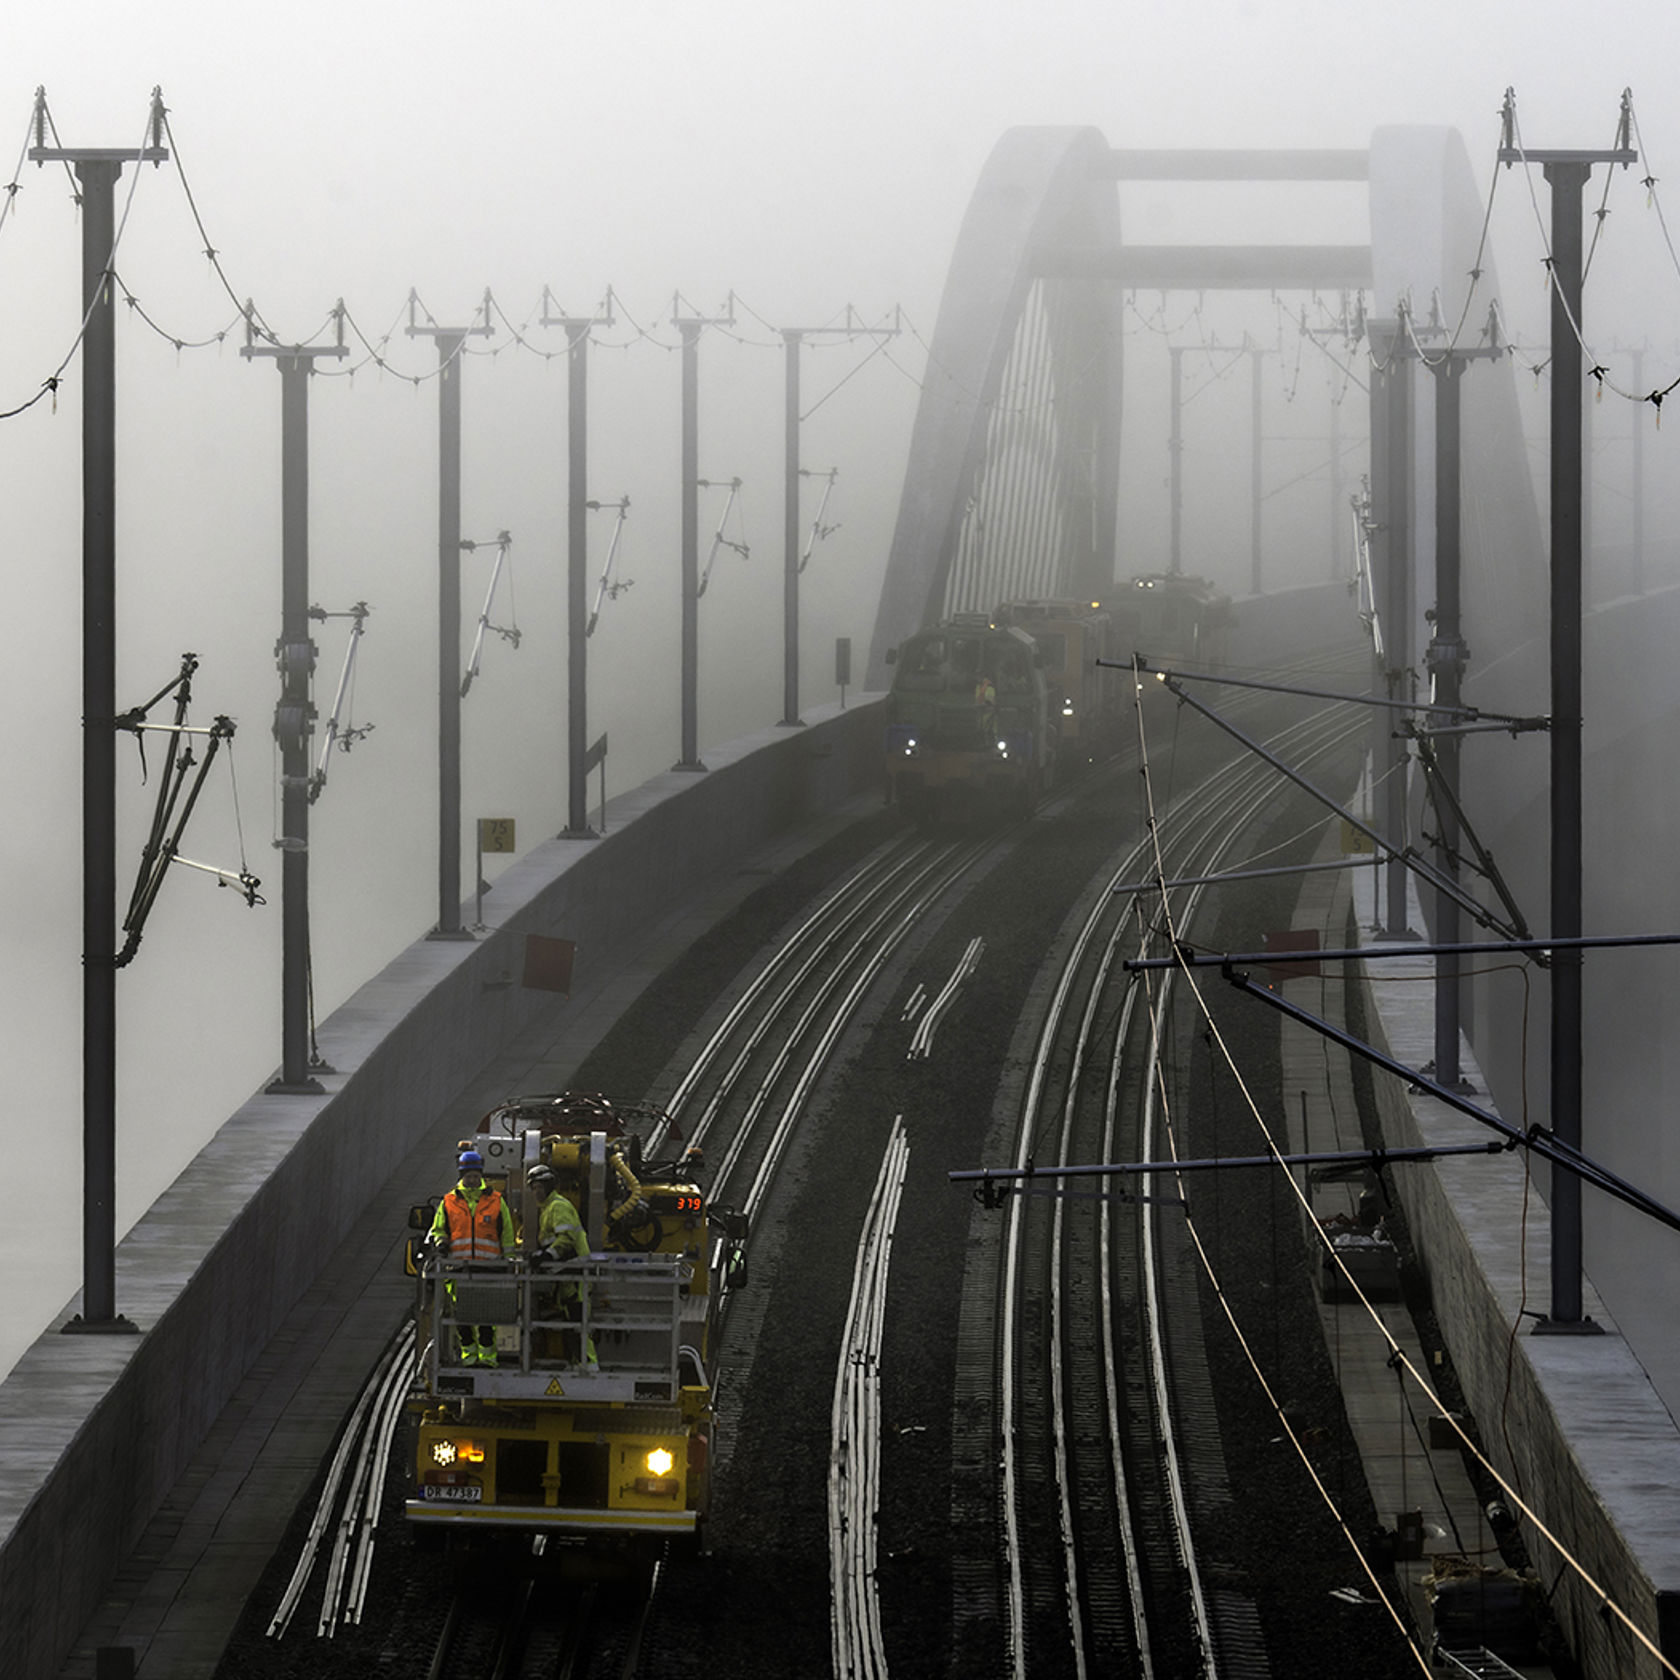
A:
[(1172, 620), (1085, 697), (593, 1426), (970, 727), (986, 711)]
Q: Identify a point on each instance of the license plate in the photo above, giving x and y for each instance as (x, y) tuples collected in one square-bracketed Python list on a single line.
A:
[(459, 1495)]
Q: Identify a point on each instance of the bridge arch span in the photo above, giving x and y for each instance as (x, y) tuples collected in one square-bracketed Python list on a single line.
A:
[(1014, 454)]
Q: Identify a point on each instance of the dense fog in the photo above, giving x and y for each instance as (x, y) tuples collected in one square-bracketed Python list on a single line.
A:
[(741, 160)]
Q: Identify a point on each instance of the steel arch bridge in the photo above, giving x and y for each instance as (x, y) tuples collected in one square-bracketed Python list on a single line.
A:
[(1019, 411), (1013, 473), (1014, 455)]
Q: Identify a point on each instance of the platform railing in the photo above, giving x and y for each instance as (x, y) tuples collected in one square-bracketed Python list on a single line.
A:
[(609, 1326)]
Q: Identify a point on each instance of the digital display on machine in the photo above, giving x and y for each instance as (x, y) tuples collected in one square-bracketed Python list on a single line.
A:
[(686, 1202)]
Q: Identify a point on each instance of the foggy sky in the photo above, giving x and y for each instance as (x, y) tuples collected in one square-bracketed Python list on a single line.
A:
[(805, 159)]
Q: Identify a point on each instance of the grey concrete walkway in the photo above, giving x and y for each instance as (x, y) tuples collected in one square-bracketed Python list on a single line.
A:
[(1415, 1471)]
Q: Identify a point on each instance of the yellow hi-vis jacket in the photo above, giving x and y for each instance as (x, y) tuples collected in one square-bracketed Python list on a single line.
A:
[(561, 1228)]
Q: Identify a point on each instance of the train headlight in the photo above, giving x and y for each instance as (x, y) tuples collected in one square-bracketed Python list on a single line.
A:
[(660, 1482)]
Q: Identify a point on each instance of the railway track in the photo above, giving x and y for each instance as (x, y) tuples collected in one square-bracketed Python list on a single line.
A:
[(747, 1085), (741, 1099), (341, 1532), (1101, 1591), (1106, 1433), (742, 1096), (510, 1625)]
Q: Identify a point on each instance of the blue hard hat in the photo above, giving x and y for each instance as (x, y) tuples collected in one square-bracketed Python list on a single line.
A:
[(470, 1160)]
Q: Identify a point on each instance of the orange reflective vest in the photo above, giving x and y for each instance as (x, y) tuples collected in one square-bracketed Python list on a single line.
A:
[(475, 1230)]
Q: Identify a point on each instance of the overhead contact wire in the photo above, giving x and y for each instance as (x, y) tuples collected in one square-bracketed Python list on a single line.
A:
[(1397, 1355), (1596, 369), (211, 252)]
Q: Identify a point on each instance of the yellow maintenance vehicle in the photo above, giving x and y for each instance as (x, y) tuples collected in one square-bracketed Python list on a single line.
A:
[(590, 1418)]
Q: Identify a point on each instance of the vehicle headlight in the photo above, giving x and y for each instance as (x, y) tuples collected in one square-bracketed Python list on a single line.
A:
[(659, 1461)]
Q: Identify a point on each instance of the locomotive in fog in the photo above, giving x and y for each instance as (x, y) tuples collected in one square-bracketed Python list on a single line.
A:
[(970, 728), (1071, 636), (986, 710), (1173, 620)]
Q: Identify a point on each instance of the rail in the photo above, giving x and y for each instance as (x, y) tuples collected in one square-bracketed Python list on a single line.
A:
[(854, 1472), (363, 1451)]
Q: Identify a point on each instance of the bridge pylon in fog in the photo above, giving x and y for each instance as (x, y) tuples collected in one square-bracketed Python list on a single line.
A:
[(1014, 453)]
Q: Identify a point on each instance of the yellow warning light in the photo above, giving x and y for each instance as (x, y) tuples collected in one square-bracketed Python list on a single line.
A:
[(449, 1452)]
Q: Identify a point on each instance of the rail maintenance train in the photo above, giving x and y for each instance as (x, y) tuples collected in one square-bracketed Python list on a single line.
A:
[(594, 1425), (970, 728), (1085, 697), (1173, 619), (1173, 622)]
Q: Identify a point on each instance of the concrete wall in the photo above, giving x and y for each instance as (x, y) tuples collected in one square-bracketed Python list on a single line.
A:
[(1630, 1054), (1291, 624), (1571, 1421), (96, 1429)]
